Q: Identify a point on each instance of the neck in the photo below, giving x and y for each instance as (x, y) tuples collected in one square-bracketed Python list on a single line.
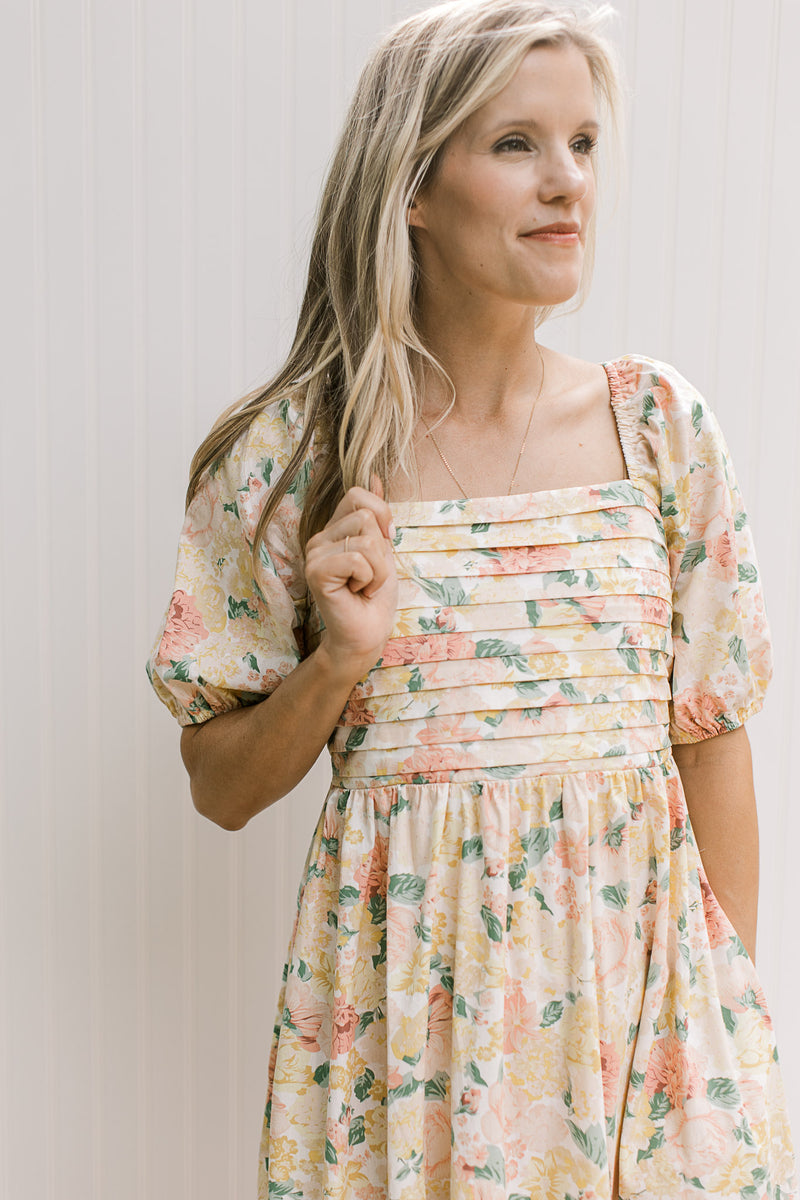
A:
[(491, 356)]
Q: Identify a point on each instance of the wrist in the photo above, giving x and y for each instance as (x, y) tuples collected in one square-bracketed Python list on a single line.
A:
[(342, 668)]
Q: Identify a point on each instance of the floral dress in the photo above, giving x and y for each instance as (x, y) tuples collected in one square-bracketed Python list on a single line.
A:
[(507, 969)]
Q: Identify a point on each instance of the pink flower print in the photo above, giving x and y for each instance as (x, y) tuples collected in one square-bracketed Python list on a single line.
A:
[(673, 1071), (183, 630), (356, 712), (345, 1019), (446, 729), (610, 1063), (654, 610), (612, 939), (717, 924), (440, 1010), (446, 619), (370, 875), (469, 1100), (393, 1080), (436, 1140), (700, 1136), (573, 850), (400, 934), (524, 560), (204, 515), (307, 1015), (437, 759), (400, 651), (567, 899), (721, 554), (521, 1018), (592, 608), (628, 375), (696, 712), (676, 803)]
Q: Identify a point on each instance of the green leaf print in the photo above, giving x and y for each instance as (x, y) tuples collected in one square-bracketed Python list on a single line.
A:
[(697, 417), (363, 1084), (454, 506), (473, 1071), (330, 1151), (534, 612), (738, 652), (356, 1133), (616, 517), (637, 1077), (616, 895), (551, 1013), (747, 573), (568, 689), (348, 894), (527, 687), (556, 812), (592, 581), (693, 555), (322, 1074), (723, 1092), (407, 889), (231, 508), (591, 1141), (447, 592), (264, 468), (179, 670), (481, 527), (659, 1106), (538, 842), (492, 923), (630, 657), (285, 1187), (303, 970), (472, 849), (299, 484), (437, 1087), (539, 898), (407, 1088), (739, 521), (495, 648), (240, 608), (614, 833), (517, 874), (355, 737), (648, 408), (251, 661), (655, 1143), (504, 772), (495, 1168), (415, 682)]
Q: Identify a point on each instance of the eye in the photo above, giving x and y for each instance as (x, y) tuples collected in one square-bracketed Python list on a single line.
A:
[(514, 143), (585, 144)]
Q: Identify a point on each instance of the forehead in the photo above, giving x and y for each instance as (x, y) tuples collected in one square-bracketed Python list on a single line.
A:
[(553, 84)]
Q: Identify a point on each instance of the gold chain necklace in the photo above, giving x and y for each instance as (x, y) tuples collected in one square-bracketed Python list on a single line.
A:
[(450, 470)]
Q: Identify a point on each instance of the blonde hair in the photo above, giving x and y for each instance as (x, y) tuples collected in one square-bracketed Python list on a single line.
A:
[(356, 354)]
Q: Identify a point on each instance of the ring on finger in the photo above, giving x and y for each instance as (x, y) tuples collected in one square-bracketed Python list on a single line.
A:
[(347, 544)]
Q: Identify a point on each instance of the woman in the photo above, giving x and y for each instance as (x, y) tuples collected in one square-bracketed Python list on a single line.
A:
[(516, 594)]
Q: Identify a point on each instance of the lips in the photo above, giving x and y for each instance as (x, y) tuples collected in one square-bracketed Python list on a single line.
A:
[(558, 227)]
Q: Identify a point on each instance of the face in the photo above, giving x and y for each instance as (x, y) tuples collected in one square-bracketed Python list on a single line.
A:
[(520, 162)]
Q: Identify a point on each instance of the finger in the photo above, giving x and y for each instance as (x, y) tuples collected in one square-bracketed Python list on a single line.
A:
[(379, 559), (360, 523), (357, 498)]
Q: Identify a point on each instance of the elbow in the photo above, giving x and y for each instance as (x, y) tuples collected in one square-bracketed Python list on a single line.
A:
[(214, 810)]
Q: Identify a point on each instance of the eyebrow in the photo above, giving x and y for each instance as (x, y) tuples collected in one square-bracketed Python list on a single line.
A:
[(526, 122)]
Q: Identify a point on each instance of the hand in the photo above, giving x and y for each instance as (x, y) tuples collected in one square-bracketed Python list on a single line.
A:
[(355, 589)]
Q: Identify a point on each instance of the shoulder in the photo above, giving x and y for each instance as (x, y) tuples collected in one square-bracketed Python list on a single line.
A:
[(240, 482)]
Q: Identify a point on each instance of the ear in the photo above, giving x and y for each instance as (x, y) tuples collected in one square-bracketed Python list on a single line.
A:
[(415, 213)]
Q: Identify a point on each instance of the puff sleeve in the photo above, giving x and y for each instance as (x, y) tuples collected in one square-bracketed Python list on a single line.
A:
[(231, 633), (722, 658)]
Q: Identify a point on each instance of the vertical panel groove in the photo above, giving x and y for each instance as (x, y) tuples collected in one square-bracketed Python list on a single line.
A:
[(93, 615), (142, 824), (718, 232), (188, 375), (44, 585)]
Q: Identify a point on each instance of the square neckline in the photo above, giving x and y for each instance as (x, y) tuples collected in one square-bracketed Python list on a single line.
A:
[(614, 388)]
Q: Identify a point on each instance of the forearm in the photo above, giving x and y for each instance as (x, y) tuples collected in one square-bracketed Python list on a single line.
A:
[(717, 777), (243, 761)]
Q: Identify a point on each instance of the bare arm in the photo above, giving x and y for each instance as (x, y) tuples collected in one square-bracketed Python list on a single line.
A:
[(717, 777), (242, 761)]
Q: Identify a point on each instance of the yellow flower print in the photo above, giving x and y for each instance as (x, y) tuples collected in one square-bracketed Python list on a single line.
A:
[(411, 976), (409, 1037)]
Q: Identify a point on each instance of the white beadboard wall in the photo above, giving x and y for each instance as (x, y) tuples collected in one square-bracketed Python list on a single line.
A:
[(161, 163)]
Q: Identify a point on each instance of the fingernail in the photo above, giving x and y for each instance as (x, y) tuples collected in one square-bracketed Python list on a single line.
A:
[(392, 530)]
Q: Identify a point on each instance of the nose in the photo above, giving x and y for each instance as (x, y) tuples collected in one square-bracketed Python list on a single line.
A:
[(562, 177)]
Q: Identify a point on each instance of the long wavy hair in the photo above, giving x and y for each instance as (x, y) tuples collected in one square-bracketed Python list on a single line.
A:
[(354, 365)]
